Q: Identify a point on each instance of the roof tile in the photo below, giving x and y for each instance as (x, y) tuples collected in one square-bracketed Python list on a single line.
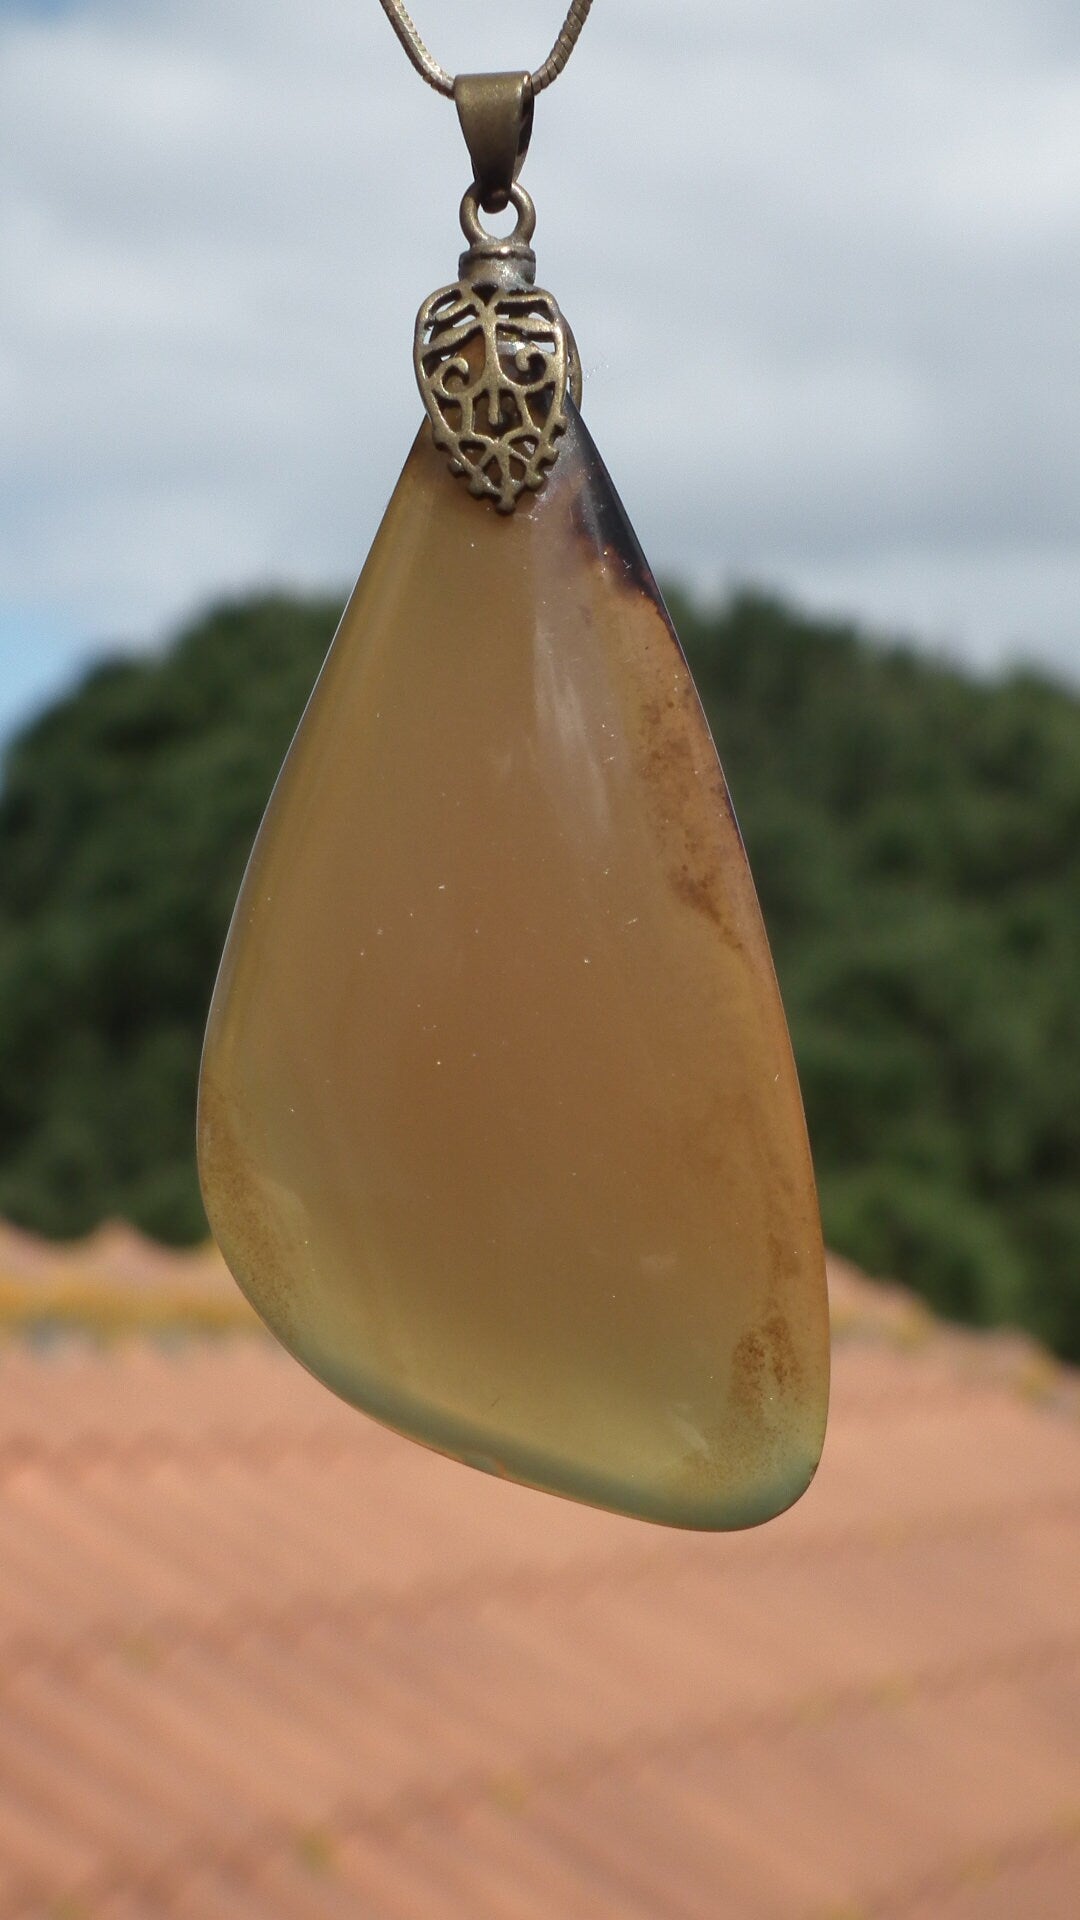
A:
[(259, 1657)]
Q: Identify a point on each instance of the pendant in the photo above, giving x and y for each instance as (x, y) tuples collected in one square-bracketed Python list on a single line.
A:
[(499, 1126)]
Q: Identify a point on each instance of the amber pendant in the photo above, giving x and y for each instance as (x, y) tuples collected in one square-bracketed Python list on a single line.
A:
[(499, 1125)]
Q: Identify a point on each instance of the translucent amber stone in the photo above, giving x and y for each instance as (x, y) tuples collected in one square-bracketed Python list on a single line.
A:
[(499, 1125)]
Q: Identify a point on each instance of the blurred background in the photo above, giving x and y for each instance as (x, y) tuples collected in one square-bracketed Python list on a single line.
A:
[(832, 257)]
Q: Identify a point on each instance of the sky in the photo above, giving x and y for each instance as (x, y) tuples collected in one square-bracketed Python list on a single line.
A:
[(822, 263)]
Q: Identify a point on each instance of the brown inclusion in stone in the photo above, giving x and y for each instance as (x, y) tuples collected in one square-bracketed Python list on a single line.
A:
[(499, 1127)]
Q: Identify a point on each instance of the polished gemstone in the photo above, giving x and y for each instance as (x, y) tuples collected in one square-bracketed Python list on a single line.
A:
[(499, 1125)]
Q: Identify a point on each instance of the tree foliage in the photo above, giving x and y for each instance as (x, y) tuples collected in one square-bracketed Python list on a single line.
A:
[(913, 833)]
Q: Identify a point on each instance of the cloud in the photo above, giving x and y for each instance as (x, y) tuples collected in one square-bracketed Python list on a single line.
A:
[(822, 266)]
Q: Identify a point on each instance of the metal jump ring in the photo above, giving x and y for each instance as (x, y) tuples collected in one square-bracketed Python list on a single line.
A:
[(478, 236)]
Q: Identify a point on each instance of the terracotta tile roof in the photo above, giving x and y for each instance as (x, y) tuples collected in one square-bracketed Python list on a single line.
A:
[(260, 1660)]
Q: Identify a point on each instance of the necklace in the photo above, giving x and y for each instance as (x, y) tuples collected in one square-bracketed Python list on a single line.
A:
[(499, 1126)]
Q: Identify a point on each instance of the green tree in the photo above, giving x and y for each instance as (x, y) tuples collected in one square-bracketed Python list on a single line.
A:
[(913, 832)]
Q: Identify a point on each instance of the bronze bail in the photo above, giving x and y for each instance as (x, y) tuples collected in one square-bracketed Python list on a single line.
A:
[(496, 114)]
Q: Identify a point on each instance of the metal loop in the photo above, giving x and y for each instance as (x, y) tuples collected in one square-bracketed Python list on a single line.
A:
[(478, 236)]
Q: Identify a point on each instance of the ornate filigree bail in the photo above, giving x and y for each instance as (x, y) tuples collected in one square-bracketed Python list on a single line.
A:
[(494, 361), (494, 357)]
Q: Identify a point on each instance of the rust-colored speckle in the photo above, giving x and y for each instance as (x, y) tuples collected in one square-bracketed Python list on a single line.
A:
[(784, 1262), (688, 797), (748, 1371), (698, 892), (783, 1353), (765, 1364)]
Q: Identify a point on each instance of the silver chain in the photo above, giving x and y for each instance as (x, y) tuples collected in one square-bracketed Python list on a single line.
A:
[(437, 77)]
